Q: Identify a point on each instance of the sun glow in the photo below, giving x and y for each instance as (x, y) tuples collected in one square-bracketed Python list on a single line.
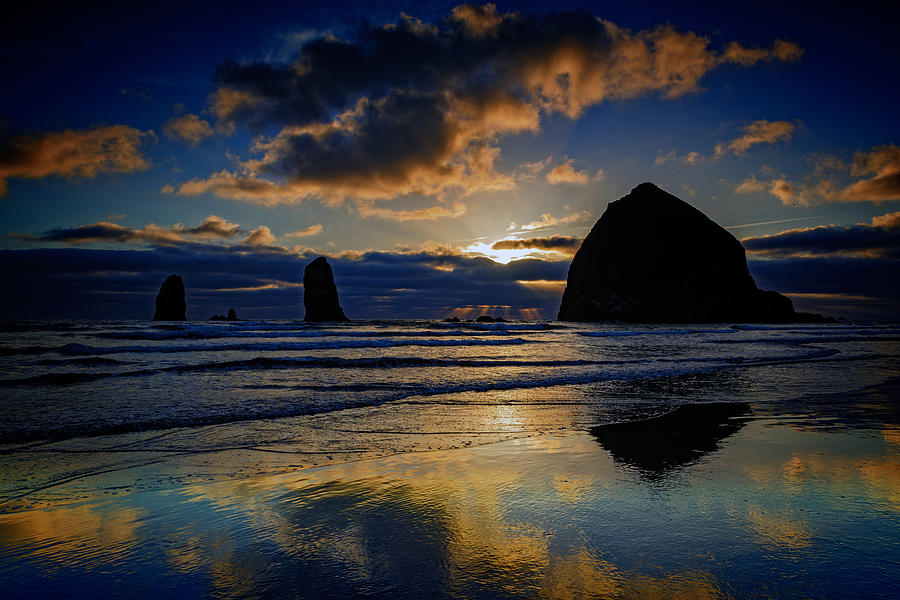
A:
[(504, 256)]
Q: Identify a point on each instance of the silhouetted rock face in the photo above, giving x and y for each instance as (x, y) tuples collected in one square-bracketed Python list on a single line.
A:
[(652, 258), (320, 295), (170, 304)]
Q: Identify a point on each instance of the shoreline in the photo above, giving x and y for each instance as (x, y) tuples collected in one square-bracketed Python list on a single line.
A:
[(171, 458)]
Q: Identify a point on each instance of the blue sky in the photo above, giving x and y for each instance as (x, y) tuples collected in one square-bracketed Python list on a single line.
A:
[(446, 158)]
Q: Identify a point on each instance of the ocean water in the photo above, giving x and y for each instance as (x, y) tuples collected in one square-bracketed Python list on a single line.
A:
[(64, 380), (425, 459)]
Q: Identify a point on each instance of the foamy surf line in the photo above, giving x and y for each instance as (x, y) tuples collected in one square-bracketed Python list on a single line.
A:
[(403, 393), (397, 362)]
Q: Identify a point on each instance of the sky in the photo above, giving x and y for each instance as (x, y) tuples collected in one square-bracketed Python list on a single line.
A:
[(448, 159)]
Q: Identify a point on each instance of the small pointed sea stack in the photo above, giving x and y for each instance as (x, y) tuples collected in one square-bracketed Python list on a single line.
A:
[(232, 316), (170, 305), (320, 295), (653, 258)]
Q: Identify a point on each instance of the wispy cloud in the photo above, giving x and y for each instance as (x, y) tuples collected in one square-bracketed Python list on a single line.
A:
[(547, 220), (189, 128), (430, 213), (212, 227), (306, 231), (755, 133), (691, 158)]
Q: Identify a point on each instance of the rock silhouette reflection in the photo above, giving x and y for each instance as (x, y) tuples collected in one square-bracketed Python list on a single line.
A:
[(677, 438)]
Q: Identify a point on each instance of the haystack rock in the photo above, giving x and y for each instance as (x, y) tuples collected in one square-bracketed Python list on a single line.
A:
[(653, 258), (170, 305), (320, 295)]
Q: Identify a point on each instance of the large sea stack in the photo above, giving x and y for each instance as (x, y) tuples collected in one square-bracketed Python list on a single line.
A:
[(170, 305), (653, 258), (320, 295)]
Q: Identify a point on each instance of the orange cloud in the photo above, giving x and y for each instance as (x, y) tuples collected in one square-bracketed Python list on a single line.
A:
[(888, 221), (750, 185), (85, 153), (248, 188), (189, 128), (430, 213), (307, 231), (261, 236), (782, 190), (566, 173), (883, 162), (757, 132), (782, 50), (824, 184), (477, 20)]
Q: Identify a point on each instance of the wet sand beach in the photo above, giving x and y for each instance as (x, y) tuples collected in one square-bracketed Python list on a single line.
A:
[(781, 501)]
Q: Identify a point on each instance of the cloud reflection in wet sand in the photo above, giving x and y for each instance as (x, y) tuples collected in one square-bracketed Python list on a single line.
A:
[(552, 517)]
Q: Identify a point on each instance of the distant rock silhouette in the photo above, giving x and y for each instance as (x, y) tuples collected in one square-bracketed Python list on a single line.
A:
[(451, 320), (490, 319), (170, 305), (232, 316), (320, 295), (653, 258)]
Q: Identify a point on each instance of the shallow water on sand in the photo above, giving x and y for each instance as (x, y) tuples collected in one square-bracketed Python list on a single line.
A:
[(421, 459), (778, 511)]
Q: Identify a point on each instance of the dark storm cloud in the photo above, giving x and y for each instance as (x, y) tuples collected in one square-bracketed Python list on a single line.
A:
[(854, 288), (879, 240), (850, 271), (560, 243), (410, 107)]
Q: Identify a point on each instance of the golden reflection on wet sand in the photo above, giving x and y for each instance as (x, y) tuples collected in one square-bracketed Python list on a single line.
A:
[(553, 517)]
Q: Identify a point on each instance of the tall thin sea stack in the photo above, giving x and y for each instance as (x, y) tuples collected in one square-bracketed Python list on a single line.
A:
[(320, 295), (170, 304), (653, 258)]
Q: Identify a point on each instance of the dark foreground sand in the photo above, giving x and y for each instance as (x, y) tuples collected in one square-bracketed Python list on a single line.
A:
[(799, 502)]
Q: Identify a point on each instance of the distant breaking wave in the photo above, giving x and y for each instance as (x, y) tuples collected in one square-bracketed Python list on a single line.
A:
[(403, 362), (75, 349)]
